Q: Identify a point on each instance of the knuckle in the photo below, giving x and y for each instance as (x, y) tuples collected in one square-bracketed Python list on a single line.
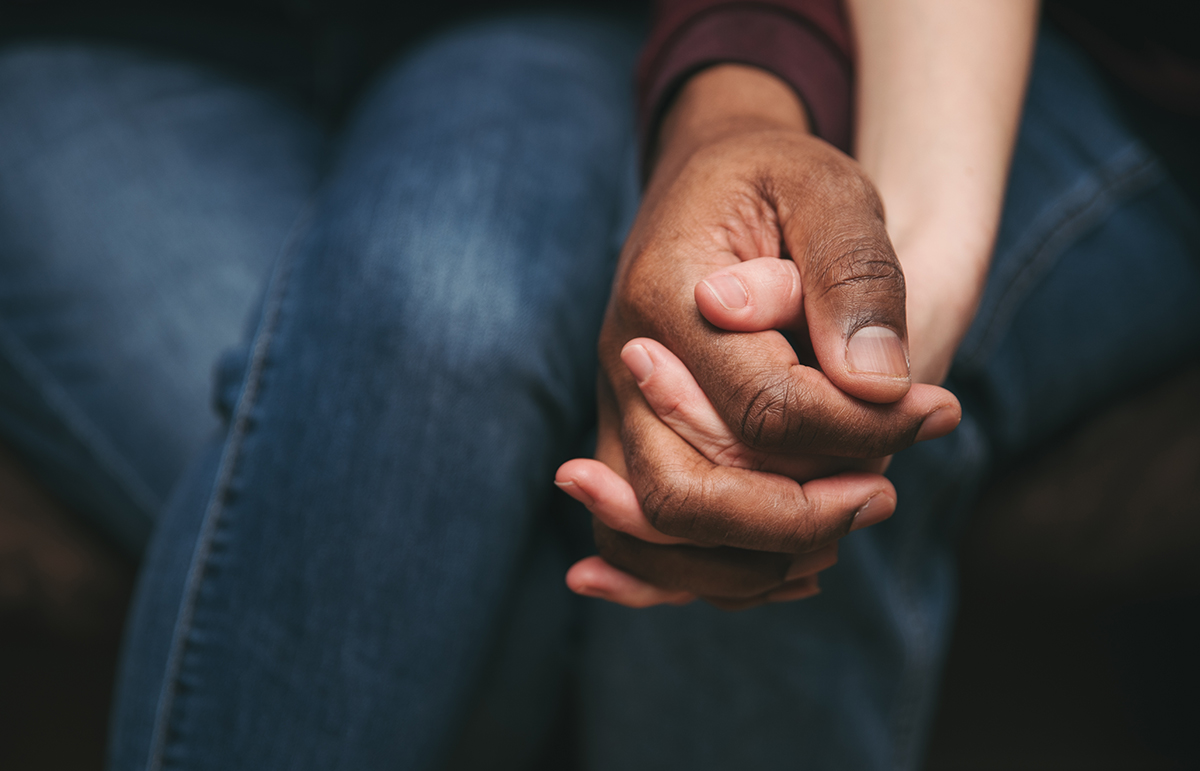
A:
[(862, 277), (837, 178), (885, 434), (768, 420), (782, 413), (859, 264), (646, 286), (672, 501), (628, 297), (852, 255), (800, 528)]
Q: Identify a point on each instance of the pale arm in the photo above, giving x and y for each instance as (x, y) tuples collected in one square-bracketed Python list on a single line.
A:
[(940, 89)]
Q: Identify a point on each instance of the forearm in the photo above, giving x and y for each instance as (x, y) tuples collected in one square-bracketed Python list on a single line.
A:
[(940, 89)]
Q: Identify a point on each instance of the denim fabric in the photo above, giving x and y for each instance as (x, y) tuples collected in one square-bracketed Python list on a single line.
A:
[(1092, 292), (359, 573), (141, 202), (327, 588)]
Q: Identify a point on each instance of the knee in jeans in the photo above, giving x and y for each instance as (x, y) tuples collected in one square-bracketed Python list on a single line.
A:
[(460, 303)]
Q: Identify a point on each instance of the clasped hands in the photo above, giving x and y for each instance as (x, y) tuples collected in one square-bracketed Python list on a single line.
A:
[(754, 377)]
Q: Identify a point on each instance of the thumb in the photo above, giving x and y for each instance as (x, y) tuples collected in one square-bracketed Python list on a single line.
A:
[(753, 296), (857, 327), (853, 286)]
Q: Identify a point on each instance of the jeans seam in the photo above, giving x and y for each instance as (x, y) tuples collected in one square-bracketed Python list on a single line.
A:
[(78, 424), (267, 326), (1133, 171)]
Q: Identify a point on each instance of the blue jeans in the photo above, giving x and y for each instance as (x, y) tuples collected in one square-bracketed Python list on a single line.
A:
[(1093, 291), (425, 345), (141, 202), (363, 571), (329, 583)]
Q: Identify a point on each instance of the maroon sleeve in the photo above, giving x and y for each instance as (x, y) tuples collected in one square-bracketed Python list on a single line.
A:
[(804, 42)]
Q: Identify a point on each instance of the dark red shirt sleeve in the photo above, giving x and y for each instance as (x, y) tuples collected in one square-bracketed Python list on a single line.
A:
[(804, 42)]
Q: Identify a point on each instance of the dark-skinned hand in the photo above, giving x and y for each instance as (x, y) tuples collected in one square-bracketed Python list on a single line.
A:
[(747, 194)]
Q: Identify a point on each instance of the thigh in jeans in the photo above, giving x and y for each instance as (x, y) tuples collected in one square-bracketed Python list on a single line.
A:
[(1092, 291), (142, 201), (330, 593)]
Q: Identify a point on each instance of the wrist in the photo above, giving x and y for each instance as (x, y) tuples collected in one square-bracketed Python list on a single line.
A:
[(944, 279), (721, 102)]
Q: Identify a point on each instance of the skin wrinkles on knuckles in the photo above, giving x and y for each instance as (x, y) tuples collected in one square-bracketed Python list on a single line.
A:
[(717, 572), (655, 298), (773, 419), (837, 263), (701, 428), (704, 502), (779, 415), (674, 500), (852, 293), (765, 422)]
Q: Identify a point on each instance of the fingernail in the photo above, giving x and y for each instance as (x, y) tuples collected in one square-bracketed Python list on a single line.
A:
[(876, 351), (639, 362), (576, 492), (938, 424), (729, 291), (872, 513)]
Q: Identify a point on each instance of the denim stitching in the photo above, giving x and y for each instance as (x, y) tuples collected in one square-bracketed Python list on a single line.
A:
[(1078, 211), (266, 330), (78, 424)]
